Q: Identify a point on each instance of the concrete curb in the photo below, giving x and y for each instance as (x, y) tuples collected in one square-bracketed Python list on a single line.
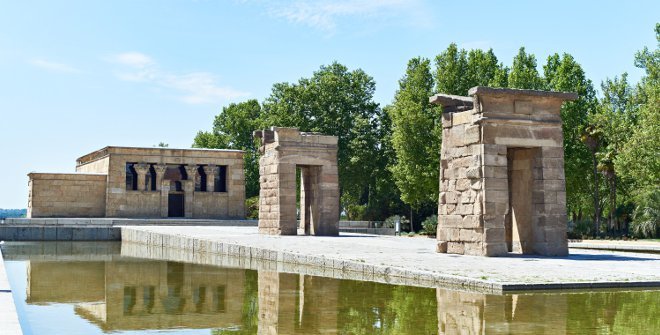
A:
[(176, 247), (8, 315), (614, 247)]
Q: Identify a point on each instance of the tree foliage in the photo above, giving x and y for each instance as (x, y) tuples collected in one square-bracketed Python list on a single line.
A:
[(389, 156), (338, 102), (232, 129), (524, 73), (416, 136)]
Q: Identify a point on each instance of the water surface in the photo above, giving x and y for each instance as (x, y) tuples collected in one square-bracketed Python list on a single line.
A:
[(89, 288)]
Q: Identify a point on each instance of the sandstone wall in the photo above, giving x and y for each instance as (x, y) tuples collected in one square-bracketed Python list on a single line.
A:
[(100, 165), (209, 205), (66, 195)]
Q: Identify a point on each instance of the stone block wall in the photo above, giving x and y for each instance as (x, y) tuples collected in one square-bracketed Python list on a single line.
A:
[(284, 150), (149, 203), (66, 195), (501, 173)]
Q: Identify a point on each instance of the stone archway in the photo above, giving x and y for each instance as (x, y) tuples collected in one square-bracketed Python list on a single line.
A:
[(284, 150), (502, 185)]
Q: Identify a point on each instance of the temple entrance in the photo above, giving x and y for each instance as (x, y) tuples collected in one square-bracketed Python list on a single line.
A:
[(519, 228), (309, 195), (175, 205)]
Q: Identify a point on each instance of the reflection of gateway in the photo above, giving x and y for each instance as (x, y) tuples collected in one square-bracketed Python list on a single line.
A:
[(128, 295)]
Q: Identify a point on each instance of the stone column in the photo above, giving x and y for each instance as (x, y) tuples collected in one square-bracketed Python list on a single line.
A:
[(164, 187), (160, 173), (191, 171), (210, 171), (189, 189), (142, 170)]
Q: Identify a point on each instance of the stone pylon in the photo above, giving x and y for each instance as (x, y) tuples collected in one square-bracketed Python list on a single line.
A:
[(284, 152), (502, 186)]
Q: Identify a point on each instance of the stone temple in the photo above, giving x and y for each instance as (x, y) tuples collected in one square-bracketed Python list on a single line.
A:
[(502, 186), (123, 182), (284, 152)]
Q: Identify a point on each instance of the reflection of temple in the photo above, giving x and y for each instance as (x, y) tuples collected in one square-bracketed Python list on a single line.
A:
[(129, 294), (297, 304), (125, 295), (477, 313)]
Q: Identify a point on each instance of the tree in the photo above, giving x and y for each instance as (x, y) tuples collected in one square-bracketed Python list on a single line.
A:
[(563, 73), (416, 136), (451, 71), (338, 102), (482, 68), (232, 129), (615, 117), (524, 73), (639, 161)]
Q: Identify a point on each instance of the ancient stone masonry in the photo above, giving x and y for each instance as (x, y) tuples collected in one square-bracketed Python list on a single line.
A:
[(502, 185), (283, 152), (144, 183)]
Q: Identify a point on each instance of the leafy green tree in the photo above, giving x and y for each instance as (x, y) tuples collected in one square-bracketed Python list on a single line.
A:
[(524, 73), (339, 102), (481, 67), (416, 136), (639, 161), (500, 77), (563, 73), (614, 118), (232, 129), (451, 71)]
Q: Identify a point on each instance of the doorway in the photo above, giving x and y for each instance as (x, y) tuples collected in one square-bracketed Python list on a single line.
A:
[(309, 199), (175, 205), (519, 228)]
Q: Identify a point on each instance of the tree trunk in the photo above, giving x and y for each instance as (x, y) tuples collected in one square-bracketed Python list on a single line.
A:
[(615, 221), (596, 196)]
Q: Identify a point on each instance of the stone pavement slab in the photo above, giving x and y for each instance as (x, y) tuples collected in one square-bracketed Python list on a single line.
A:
[(387, 258)]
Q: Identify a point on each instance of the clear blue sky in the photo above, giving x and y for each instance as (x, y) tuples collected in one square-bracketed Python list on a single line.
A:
[(76, 76)]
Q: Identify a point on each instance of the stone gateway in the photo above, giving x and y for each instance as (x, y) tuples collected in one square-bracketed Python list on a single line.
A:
[(502, 185), (284, 151)]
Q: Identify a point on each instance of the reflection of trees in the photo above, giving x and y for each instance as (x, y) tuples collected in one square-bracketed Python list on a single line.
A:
[(373, 308), (250, 309), (614, 312)]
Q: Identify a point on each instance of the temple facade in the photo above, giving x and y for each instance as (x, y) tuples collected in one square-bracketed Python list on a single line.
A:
[(127, 182)]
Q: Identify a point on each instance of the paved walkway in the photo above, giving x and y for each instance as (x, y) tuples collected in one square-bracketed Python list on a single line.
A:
[(9, 324), (388, 258)]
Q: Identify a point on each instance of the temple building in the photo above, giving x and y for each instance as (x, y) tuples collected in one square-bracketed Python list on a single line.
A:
[(125, 182)]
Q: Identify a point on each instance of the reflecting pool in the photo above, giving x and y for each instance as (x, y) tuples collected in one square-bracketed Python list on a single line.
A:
[(89, 288)]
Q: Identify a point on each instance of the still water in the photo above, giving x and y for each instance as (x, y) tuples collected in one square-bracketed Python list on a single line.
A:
[(89, 288)]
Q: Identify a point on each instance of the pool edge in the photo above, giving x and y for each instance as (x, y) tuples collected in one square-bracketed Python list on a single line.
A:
[(8, 316)]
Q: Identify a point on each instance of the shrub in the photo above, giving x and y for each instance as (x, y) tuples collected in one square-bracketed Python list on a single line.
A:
[(646, 217), (252, 207), (390, 222), (430, 225)]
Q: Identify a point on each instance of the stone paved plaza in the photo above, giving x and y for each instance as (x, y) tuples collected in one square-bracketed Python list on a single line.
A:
[(384, 258)]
